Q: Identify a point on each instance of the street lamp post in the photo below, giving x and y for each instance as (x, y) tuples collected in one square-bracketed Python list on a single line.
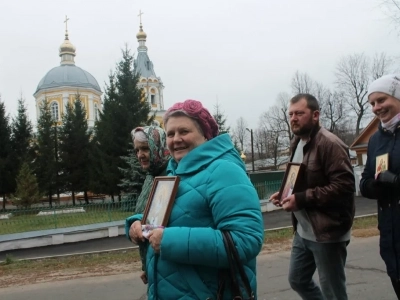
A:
[(252, 148)]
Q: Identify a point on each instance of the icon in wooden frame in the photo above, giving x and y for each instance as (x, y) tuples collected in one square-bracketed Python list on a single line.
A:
[(161, 200), (291, 180)]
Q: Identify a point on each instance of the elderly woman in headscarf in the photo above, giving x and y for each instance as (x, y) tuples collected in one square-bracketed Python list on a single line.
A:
[(384, 185), (149, 143), (185, 258)]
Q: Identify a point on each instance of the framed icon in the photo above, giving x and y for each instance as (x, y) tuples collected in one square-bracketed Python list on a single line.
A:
[(291, 180), (382, 163), (161, 200)]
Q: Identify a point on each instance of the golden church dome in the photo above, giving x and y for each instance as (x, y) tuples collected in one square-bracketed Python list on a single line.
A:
[(141, 34), (67, 47)]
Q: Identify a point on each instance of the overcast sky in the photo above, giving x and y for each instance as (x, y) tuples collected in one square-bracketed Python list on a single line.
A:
[(241, 52)]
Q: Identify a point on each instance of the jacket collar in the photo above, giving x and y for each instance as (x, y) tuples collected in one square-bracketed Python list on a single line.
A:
[(296, 139), (388, 132), (201, 156)]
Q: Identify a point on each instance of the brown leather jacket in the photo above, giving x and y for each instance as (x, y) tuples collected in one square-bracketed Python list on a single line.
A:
[(327, 192)]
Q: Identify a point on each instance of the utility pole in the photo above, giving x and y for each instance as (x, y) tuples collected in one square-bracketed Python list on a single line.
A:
[(252, 148)]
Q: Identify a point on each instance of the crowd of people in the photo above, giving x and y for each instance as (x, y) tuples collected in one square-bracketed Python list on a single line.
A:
[(188, 257)]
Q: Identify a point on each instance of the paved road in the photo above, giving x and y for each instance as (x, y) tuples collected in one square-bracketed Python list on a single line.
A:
[(366, 279), (278, 218)]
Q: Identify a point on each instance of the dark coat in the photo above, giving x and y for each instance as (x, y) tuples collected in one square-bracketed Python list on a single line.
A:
[(328, 188), (388, 196)]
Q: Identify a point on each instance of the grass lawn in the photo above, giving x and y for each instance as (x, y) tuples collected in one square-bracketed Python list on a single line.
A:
[(29, 221)]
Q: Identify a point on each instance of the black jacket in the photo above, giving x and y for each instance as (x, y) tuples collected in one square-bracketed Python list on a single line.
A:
[(388, 196)]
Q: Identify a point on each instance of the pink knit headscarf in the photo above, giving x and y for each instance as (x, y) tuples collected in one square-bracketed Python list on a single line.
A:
[(195, 110)]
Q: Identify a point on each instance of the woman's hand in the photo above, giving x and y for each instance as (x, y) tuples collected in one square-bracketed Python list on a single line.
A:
[(155, 237), (135, 232)]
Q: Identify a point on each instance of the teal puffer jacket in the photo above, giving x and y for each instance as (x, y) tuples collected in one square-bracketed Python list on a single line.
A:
[(214, 194)]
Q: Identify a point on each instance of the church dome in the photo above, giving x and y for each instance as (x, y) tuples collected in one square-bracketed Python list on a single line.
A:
[(67, 47), (67, 76), (141, 34)]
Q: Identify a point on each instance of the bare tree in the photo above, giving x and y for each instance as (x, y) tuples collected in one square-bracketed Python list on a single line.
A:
[(333, 111), (275, 125), (392, 9), (381, 64), (240, 131), (302, 83), (353, 75)]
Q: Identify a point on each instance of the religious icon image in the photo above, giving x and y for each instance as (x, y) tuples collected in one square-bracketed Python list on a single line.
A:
[(290, 180), (382, 162), (160, 202)]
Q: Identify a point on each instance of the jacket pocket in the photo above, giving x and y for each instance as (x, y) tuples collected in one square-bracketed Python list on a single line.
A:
[(315, 175)]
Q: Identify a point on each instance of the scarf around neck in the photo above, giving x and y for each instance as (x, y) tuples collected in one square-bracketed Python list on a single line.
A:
[(392, 124)]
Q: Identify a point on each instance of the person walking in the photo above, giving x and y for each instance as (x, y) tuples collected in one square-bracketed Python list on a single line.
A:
[(384, 98), (185, 259), (322, 208)]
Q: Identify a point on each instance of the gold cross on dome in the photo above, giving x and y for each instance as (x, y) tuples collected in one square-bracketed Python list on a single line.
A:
[(66, 23), (140, 16)]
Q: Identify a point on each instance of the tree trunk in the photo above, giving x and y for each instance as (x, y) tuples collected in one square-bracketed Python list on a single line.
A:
[(73, 198), (50, 200), (86, 197), (4, 202)]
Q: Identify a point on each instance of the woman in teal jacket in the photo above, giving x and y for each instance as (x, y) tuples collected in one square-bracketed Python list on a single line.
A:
[(214, 194)]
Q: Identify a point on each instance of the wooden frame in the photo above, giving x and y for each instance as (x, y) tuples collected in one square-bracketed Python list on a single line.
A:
[(161, 200), (291, 180)]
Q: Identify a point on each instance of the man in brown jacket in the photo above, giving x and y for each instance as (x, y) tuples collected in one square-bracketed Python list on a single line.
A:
[(322, 207)]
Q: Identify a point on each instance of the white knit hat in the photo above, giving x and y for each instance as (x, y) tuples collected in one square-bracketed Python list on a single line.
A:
[(388, 84)]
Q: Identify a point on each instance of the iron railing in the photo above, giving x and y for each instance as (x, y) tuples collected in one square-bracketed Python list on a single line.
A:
[(41, 217), (61, 216)]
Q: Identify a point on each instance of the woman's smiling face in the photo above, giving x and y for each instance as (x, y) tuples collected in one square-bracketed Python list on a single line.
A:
[(384, 106), (183, 135)]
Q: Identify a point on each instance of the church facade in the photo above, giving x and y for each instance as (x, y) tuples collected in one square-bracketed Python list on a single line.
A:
[(151, 85), (63, 83)]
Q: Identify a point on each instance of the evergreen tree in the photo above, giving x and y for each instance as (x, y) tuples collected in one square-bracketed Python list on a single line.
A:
[(6, 175), (74, 150), (21, 137), (46, 161), (132, 181), (27, 192), (220, 119), (124, 109)]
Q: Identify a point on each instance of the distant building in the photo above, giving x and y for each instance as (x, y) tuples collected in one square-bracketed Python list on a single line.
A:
[(151, 85), (61, 85)]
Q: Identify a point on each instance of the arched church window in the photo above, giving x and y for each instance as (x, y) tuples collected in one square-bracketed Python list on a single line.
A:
[(54, 111), (153, 99)]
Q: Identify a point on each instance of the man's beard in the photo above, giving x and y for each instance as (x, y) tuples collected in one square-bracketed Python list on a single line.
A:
[(305, 130)]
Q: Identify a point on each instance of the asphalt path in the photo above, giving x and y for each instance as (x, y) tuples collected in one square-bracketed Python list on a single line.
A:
[(365, 272), (274, 219)]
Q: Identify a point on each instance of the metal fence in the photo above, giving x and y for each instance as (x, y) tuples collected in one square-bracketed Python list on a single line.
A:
[(61, 216), (267, 188)]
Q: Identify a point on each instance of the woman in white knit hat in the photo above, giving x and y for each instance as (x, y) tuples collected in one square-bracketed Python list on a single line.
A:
[(384, 97)]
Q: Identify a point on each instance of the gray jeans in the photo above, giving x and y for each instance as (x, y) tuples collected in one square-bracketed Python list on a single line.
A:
[(329, 259)]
